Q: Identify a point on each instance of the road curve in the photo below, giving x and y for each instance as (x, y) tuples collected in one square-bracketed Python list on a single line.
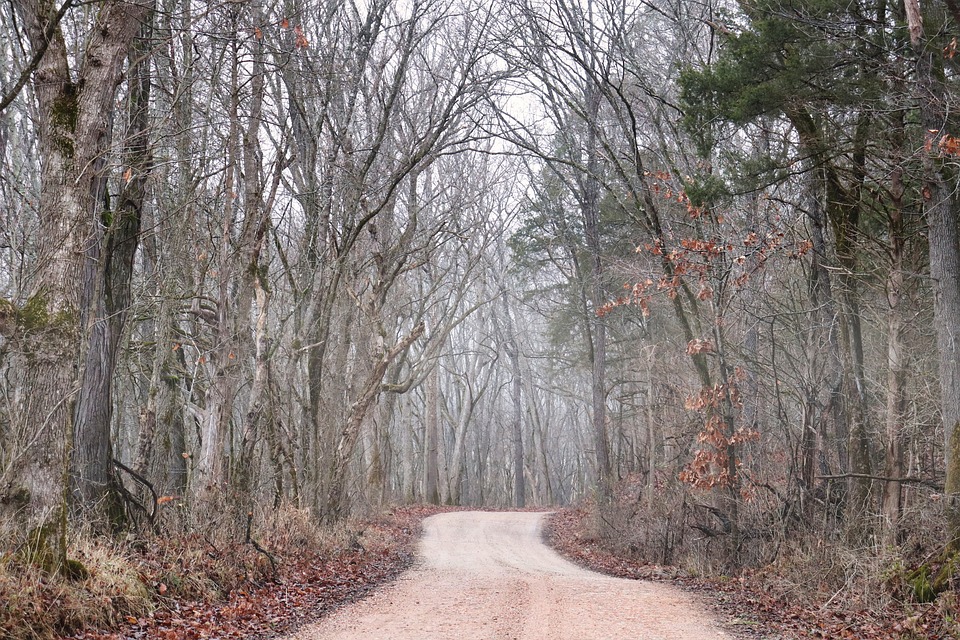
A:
[(488, 576)]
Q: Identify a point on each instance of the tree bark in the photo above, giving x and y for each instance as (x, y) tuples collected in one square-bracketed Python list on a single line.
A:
[(590, 210), (107, 275), (516, 397), (940, 207), (896, 366), (431, 483), (58, 326)]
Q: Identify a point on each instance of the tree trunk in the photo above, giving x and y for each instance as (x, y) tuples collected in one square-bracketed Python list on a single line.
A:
[(108, 271), (516, 397), (939, 186), (221, 363), (431, 484), (896, 368), (57, 327), (826, 403), (654, 434), (590, 209), (845, 216), (545, 489)]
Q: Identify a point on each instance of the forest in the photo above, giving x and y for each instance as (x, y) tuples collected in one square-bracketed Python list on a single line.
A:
[(689, 265)]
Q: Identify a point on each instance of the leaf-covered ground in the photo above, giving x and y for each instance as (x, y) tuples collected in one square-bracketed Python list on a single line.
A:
[(751, 608), (307, 587), (304, 589)]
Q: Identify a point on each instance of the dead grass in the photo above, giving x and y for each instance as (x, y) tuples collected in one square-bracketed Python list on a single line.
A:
[(133, 577), (804, 577), (289, 530), (40, 605)]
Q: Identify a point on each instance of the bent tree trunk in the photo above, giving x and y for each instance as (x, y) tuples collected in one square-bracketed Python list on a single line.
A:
[(336, 500)]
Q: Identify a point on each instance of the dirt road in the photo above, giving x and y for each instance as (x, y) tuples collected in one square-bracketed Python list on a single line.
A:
[(489, 576)]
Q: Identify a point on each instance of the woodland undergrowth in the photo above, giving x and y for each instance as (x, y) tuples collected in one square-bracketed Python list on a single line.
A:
[(225, 577), (793, 582)]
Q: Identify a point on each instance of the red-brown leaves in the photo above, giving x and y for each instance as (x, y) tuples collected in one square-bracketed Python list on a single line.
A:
[(307, 587), (718, 438), (947, 145), (697, 346), (300, 40)]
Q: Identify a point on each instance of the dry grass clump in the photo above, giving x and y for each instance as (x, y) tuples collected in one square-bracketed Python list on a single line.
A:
[(289, 531), (890, 587), (207, 560), (38, 604), (183, 561), (825, 573), (812, 563), (655, 531)]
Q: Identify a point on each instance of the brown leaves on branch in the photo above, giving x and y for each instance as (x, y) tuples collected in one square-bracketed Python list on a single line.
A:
[(705, 264), (300, 41), (711, 465), (299, 37), (698, 346), (947, 145)]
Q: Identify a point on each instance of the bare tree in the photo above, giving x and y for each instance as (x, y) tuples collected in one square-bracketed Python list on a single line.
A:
[(60, 393)]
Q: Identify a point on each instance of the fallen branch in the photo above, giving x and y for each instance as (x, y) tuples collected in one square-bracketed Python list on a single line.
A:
[(708, 532), (256, 545)]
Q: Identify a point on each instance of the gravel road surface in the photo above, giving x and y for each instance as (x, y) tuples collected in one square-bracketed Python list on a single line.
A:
[(485, 575)]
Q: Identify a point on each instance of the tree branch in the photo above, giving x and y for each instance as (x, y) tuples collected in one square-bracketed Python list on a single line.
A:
[(843, 476), (11, 95), (152, 514)]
